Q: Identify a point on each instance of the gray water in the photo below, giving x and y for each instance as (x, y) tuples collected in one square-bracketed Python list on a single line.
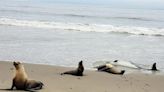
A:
[(64, 34)]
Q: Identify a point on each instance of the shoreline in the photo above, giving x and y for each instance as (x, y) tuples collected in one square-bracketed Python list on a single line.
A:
[(92, 81), (128, 70)]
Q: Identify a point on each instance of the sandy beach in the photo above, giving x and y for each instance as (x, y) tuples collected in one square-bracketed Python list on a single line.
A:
[(50, 37), (92, 81)]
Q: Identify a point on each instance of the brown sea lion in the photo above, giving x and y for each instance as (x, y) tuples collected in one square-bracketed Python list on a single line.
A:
[(21, 81), (110, 69), (77, 72)]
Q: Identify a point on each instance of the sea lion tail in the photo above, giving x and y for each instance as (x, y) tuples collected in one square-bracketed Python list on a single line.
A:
[(40, 86)]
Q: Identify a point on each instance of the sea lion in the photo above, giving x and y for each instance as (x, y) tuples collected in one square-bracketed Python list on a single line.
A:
[(154, 68), (77, 72), (110, 69), (127, 64), (21, 81), (135, 65)]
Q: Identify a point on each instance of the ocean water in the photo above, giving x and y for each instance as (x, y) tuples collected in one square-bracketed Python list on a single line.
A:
[(63, 34)]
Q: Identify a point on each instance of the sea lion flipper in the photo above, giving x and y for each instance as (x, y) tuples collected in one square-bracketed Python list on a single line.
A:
[(13, 85), (110, 69), (77, 72), (73, 72), (34, 85), (69, 72), (101, 68)]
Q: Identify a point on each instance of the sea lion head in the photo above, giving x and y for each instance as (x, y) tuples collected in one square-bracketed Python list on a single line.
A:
[(122, 72), (154, 68), (115, 61), (80, 63), (16, 64)]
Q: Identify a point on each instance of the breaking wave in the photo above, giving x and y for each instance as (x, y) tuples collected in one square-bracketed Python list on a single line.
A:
[(83, 27)]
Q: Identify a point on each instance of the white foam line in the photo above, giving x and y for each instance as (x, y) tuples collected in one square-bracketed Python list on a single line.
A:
[(83, 27)]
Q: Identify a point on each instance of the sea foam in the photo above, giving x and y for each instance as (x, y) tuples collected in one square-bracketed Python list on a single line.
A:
[(83, 27)]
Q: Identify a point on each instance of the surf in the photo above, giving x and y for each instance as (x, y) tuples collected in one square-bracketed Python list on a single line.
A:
[(83, 27)]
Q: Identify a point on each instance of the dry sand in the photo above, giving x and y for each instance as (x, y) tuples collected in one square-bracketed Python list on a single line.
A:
[(93, 81)]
